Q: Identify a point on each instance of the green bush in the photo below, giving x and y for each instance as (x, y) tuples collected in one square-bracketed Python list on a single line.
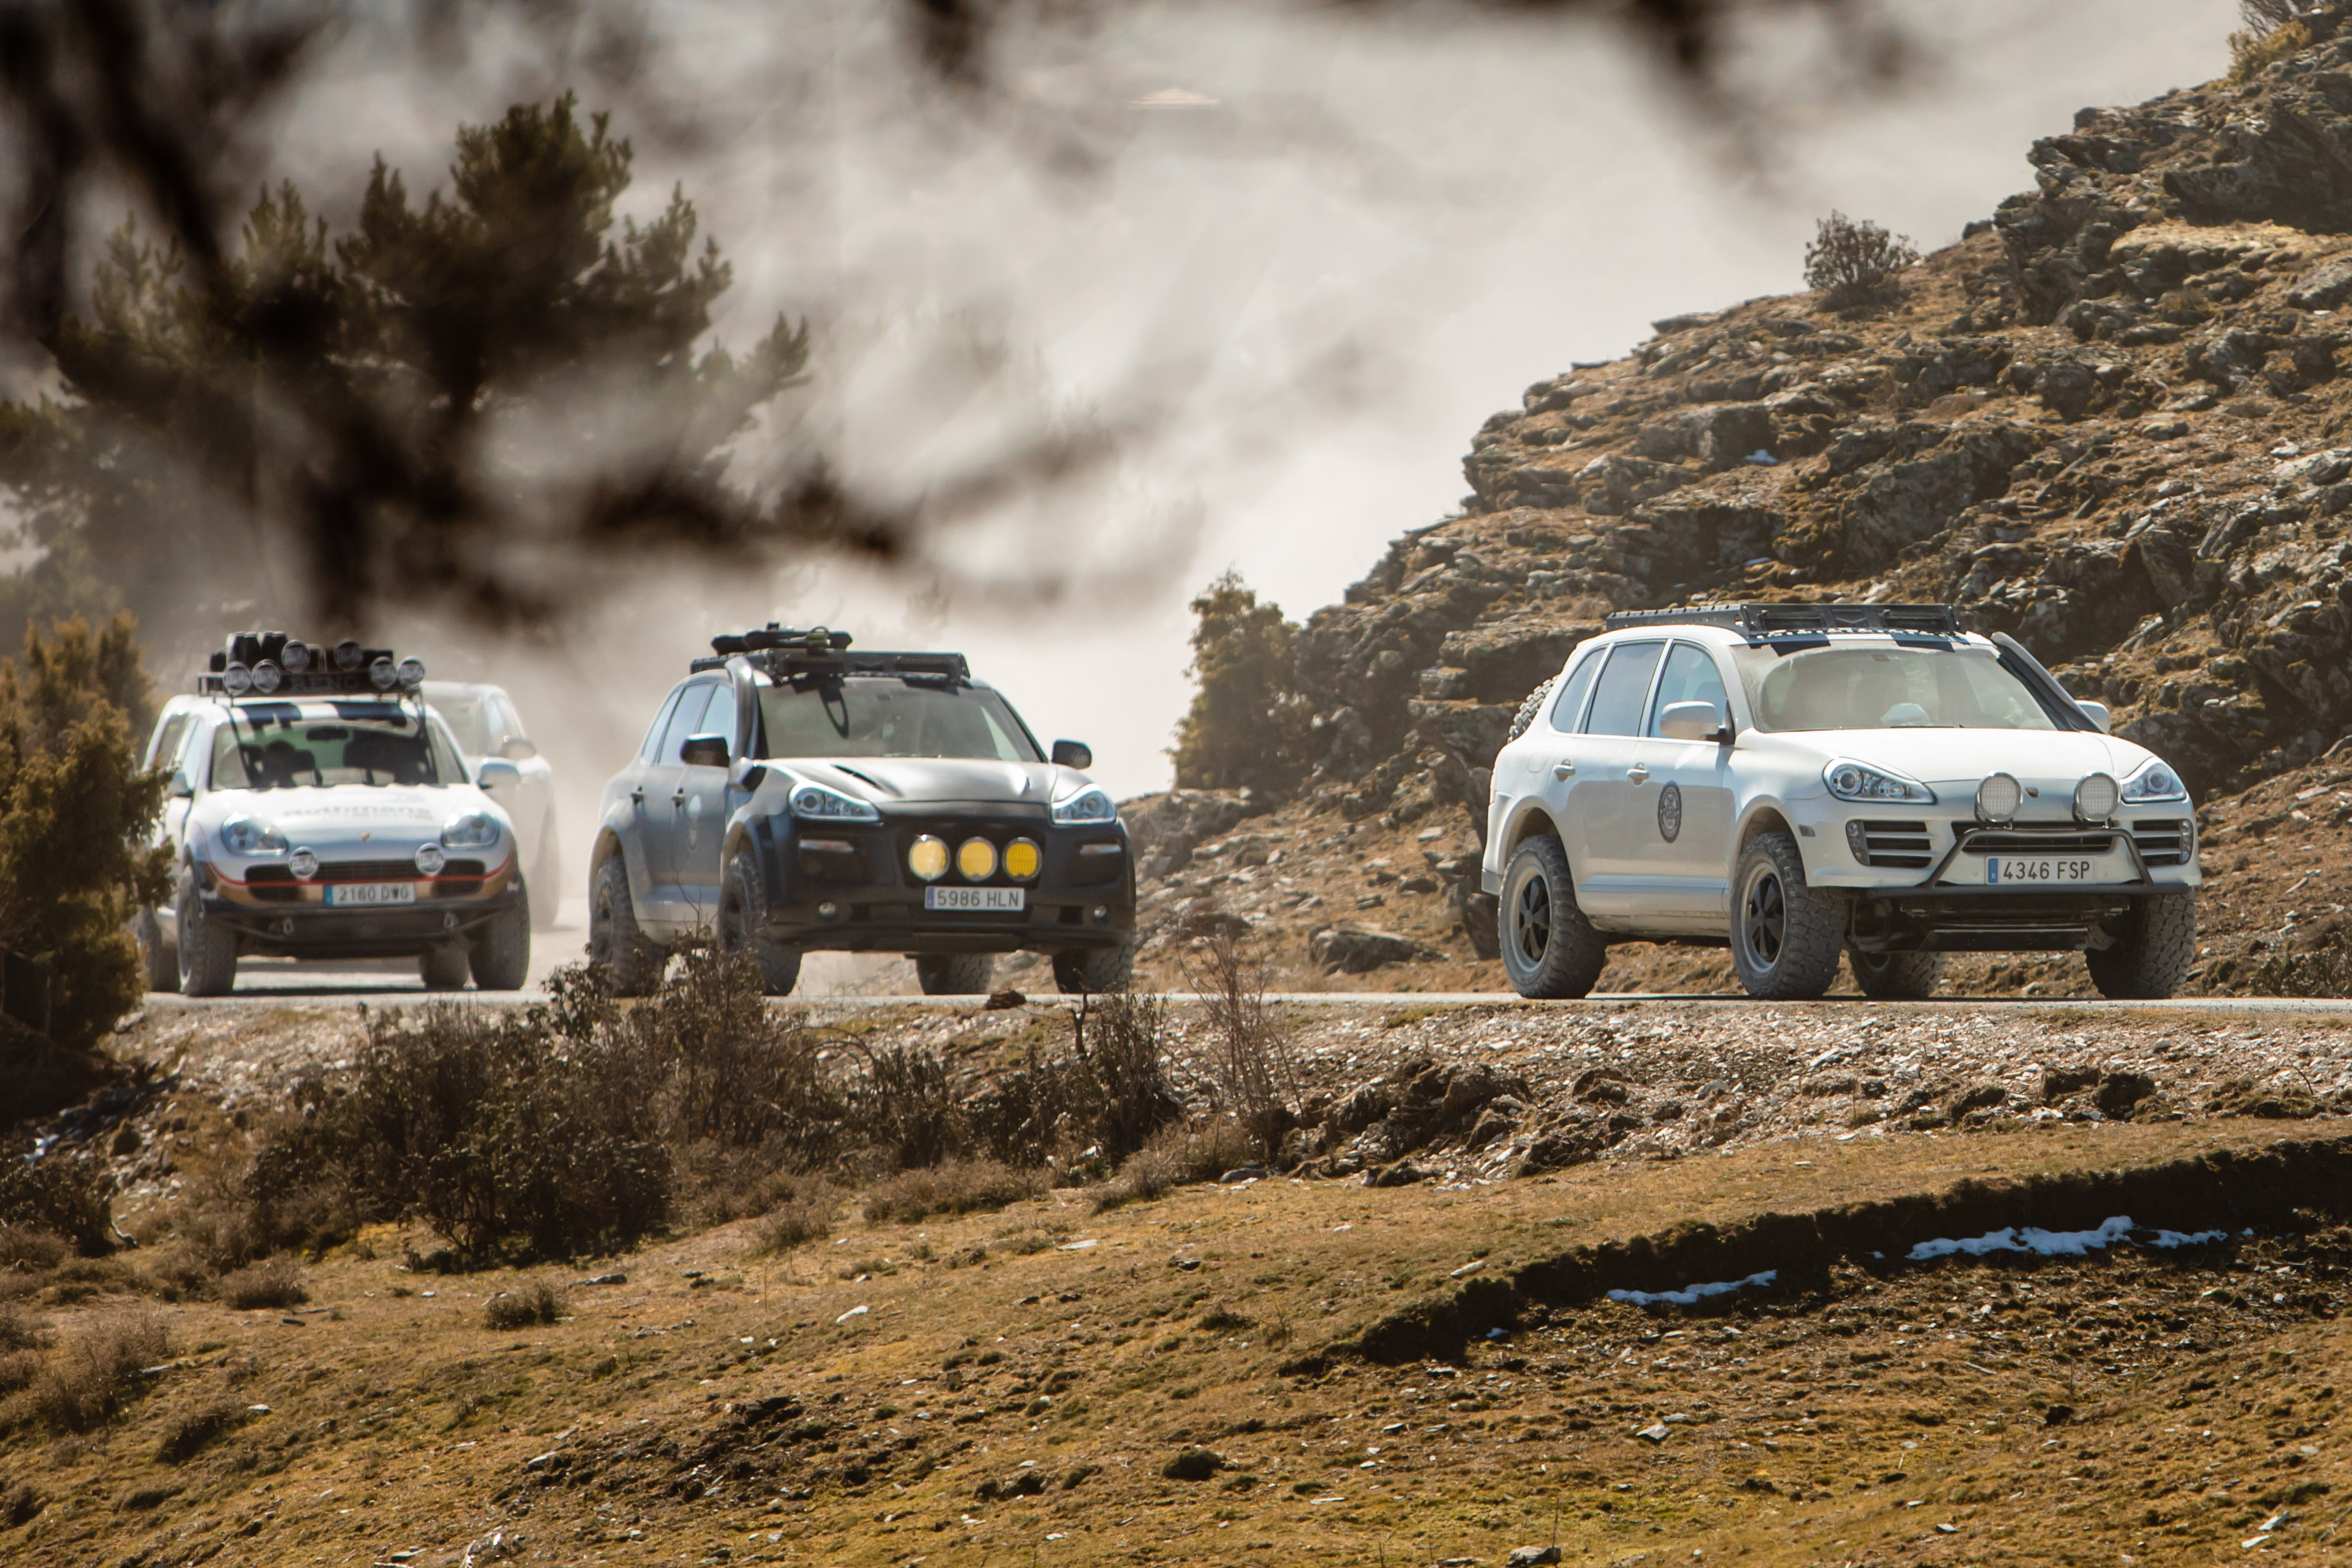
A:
[(1248, 724), (1856, 264)]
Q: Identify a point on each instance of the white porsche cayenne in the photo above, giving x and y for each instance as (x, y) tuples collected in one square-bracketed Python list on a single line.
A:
[(1804, 781)]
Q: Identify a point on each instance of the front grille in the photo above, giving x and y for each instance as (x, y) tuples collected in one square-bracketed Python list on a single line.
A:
[(267, 875), (2012, 842), (2164, 843), (1890, 843)]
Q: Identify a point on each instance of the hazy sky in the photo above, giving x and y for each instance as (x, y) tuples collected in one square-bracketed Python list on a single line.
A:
[(1297, 292)]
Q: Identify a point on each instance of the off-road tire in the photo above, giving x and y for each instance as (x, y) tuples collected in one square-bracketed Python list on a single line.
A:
[(208, 951), (1095, 971), (1550, 948), (444, 966), (743, 925), (1897, 977), (1525, 717), (546, 878), (1786, 936), (498, 952), (158, 963), (2153, 949), (632, 965), (954, 974)]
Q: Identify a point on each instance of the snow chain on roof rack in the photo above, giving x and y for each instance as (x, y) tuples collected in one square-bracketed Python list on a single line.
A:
[(1763, 621), (785, 653)]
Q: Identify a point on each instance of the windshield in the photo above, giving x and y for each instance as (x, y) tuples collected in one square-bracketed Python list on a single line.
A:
[(1886, 687), (285, 746), (470, 721), (866, 716)]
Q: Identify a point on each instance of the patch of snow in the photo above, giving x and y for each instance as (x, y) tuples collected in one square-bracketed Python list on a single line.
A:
[(1695, 1294), (2059, 1243)]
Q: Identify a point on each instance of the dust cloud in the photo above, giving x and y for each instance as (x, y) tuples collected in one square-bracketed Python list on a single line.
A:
[(1283, 260)]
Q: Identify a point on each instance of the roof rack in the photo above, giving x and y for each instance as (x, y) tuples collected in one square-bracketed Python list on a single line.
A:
[(1758, 621), (271, 666), (784, 652)]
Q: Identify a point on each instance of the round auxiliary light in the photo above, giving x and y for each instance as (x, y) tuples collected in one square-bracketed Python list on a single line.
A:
[(236, 680), (303, 863), (295, 656), (2096, 799), (927, 857), (268, 677), (411, 674), (1021, 860), (976, 858), (381, 675), (431, 858), (348, 655), (1998, 799)]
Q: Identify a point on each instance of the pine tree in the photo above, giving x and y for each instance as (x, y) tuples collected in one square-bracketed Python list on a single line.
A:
[(1247, 725)]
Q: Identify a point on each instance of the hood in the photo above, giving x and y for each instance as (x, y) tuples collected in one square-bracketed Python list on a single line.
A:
[(912, 780), (1951, 757), (349, 819)]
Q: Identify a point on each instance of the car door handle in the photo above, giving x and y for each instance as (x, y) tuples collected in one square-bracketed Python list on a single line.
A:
[(1562, 770), (637, 797), (678, 799), (1637, 773)]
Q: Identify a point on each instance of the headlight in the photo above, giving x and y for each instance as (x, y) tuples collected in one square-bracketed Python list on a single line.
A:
[(244, 836), (2094, 799), (384, 674), (927, 857), (1856, 781), (815, 802), (1088, 806), (474, 831), (303, 863), (2155, 781), (236, 680), (411, 673), (1998, 799), (268, 677), (1021, 860), (295, 656)]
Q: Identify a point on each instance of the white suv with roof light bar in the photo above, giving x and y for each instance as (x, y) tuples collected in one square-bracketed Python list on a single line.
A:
[(319, 810), (1801, 781)]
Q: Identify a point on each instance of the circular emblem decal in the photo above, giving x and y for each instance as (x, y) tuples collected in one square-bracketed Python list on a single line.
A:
[(1670, 812)]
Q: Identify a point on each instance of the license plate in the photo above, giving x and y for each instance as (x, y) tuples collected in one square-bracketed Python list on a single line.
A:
[(2044, 870), (370, 895), (984, 900)]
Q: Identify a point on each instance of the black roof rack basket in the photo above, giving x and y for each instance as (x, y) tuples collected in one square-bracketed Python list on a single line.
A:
[(1760, 620)]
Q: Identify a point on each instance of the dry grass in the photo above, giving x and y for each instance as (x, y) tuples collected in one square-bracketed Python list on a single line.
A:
[(1177, 1157), (24, 1247), (802, 1210), (273, 1282), (957, 1187), (526, 1306), (95, 1370)]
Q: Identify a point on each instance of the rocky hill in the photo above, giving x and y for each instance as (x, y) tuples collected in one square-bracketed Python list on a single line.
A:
[(2112, 420)]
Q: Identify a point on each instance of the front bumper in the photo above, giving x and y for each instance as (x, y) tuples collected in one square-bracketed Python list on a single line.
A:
[(277, 916), (846, 887)]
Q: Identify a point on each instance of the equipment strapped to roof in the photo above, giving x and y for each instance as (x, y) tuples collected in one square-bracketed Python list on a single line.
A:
[(1758, 622), (785, 653), (272, 666)]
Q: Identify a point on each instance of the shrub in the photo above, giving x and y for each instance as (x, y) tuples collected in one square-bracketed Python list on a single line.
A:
[(22, 1247), (1123, 1038), (273, 1282), (2260, 47), (1248, 1062), (2325, 971), (94, 1372), (520, 1308), (1247, 725), (802, 1212), (20, 1504), (1176, 1155), (65, 1195), (188, 1434), (1856, 264), (905, 1102), (957, 1187)]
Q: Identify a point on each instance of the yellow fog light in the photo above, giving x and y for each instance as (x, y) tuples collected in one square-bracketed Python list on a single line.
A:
[(927, 857), (976, 858), (1020, 860)]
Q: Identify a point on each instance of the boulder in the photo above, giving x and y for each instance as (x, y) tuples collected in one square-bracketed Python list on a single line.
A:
[(1360, 949), (1163, 830)]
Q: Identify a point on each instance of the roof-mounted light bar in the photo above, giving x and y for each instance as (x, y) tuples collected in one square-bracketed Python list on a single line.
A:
[(272, 665), (785, 653), (1758, 621)]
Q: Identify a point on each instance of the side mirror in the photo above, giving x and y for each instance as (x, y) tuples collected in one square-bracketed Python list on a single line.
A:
[(2098, 713), (1690, 721), (182, 789), (518, 749), (1072, 754), (497, 775), (703, 751)]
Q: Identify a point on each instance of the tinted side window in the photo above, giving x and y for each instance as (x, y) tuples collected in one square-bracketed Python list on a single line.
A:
[(1570, 708), (1617, 700), (719, 718), (653, 735), (1691, 677), (166, 752), (685, 720)]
